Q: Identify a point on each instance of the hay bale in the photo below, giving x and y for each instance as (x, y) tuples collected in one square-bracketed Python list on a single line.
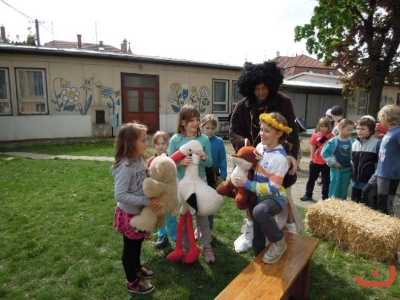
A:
[(356, 227)]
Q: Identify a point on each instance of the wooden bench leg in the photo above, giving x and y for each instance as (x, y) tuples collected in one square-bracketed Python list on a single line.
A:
[(301, 288)]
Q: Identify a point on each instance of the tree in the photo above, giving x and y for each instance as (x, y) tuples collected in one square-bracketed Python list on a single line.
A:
[(360, 37)]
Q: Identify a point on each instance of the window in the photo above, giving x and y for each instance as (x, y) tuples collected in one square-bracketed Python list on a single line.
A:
[(362, 103), (5, 98), (31, 91), (220, 96), (235, 93)]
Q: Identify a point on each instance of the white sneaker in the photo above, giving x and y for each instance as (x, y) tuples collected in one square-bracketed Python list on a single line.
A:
[(245, 240), (291, 227), (275, 252)]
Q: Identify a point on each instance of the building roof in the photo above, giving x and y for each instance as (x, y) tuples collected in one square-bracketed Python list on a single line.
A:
[(303, 63), (85, 46), (117, 56)]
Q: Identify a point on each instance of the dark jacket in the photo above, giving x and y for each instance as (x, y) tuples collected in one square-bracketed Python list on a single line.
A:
[(364, 157), (247, 112)]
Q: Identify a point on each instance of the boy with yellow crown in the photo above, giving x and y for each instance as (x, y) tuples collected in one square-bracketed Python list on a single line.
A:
[(267, 184)]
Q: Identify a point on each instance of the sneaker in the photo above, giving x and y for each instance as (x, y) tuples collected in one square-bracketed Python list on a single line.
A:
[(291, 227), (162, 242), (197, 233), (140, 287), (145, 274), (209, 255), (275, 252), (305, 198)]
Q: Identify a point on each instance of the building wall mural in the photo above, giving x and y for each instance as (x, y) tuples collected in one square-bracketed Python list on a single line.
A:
[(179, 96), (69, 98)]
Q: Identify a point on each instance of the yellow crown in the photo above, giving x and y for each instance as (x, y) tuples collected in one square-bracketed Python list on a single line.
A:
[(266, 118)]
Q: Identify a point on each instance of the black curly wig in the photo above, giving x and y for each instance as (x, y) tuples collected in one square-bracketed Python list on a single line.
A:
[(255, 74)]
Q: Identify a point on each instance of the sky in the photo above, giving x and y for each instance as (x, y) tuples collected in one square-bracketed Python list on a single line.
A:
[(215, 31)]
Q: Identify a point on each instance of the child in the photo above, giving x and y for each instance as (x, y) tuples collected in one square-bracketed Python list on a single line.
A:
[(129, 170), (267, 184), (380, 131), (188, 129), (337, 115), (317, 163), (369, 192), (364, 157), (337, 154), (160, 143), (209, 127), (388, 170)]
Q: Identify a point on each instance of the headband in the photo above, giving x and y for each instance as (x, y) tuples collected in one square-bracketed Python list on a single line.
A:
[(266, 118)]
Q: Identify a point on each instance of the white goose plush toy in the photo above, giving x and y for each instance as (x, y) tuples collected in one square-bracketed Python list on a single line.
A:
[(195, 198)]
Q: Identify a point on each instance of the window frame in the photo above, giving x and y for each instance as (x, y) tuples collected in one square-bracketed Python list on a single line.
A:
[(226, 102), (236, 95), (362, 103), (8, 91), (37, 103)]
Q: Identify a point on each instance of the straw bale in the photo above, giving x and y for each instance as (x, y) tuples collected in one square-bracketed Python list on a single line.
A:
[(356, 227)]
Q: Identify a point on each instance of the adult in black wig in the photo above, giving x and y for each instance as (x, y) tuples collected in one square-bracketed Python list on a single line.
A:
[(259, 84)]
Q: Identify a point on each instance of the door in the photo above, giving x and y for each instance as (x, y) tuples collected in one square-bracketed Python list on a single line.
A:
[(140, 101)]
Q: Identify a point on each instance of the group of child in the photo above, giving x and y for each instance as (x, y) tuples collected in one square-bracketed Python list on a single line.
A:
[(340, 160), (369, 163), (129, 170)]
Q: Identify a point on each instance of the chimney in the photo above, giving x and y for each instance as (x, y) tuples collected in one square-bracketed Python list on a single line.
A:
[(101, 46), (124, 46), (79, 41), (129, 49), (278, 54), (3, 33)]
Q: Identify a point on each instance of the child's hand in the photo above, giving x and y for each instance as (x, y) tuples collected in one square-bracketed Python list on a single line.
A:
[(155, 204), (219, 180), (186, 161), (202, 154), (240, 182)]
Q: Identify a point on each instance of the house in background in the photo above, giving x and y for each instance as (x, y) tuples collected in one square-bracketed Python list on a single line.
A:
[(66, 89), (312, 86)]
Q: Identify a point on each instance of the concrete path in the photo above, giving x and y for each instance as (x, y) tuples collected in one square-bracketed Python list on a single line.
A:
[(298, 189)]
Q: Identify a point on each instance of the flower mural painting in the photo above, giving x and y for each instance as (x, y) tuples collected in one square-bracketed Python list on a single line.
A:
[(200, 100), (175, 97), (68, 98), (180, 92), (109, 93)]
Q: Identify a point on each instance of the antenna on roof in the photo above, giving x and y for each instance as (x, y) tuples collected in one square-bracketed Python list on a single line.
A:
[(95, 30)]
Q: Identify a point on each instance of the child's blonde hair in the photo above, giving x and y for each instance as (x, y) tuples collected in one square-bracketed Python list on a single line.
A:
[(345, 122), (391, 113), (209, 119), (125, 143), (186, 113), (325, 122), (160, 134)]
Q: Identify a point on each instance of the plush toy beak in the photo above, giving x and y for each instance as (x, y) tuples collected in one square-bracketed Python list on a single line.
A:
[(177, 156)]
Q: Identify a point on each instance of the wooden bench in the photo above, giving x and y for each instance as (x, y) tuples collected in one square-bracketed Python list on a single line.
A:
[(223, 122), (290, 276)]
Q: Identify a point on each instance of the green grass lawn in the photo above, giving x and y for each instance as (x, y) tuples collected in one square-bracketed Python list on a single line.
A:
[(58, 242)]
